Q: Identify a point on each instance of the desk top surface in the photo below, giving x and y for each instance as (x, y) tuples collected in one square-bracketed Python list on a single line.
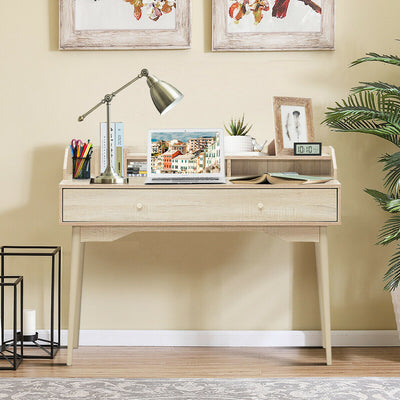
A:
[(138, 183)]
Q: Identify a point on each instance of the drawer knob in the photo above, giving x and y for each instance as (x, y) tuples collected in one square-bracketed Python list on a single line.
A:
[(260, 206), (139, 206)]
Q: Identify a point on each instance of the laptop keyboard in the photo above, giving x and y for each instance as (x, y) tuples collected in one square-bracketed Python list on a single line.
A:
[(187, 180)]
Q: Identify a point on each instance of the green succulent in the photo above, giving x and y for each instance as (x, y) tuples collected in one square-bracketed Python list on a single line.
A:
[(238, 127), (374, 109)]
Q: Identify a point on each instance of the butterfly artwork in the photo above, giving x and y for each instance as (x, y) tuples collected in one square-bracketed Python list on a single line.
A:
[(240, 9), (153, 9), (273, 25), (125, 24)]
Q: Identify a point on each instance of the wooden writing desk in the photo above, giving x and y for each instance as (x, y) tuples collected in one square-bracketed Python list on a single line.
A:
[(100, 213)]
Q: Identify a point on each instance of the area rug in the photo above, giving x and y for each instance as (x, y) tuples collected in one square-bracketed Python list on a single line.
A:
[(200, 389)]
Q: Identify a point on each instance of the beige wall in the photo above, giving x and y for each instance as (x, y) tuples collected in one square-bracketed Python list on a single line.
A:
[(219, 281)]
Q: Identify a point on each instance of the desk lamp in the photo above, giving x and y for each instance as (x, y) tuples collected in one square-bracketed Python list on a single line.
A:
[(164, 97)]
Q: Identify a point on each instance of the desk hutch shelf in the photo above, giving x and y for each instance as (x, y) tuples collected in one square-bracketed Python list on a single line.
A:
[(324, 165)]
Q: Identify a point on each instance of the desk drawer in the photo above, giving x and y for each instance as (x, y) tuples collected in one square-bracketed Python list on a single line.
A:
[(199, 205)]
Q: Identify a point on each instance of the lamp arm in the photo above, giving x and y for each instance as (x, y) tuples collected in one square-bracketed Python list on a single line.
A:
[(143, 73), (108, 97), (83, 116)]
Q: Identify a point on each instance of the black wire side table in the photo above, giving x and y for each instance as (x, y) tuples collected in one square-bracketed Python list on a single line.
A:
[(48, 348), (10, 358)]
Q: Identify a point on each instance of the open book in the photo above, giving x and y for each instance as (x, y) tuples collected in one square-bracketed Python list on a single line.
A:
[(282, 177)]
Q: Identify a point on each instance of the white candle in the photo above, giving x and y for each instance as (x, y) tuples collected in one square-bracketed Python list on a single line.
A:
[(29, 322)]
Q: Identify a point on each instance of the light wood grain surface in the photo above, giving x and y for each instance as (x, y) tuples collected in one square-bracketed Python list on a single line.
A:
[(199, 205), (211, 362)]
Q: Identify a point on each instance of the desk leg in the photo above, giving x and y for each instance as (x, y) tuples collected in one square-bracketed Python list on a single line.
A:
[(75, 291), (321, 308), (78, 302), (321, 255)]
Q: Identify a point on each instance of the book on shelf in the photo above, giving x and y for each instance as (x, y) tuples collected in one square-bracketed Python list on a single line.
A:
[(276, 178), (136, 168), (117, 146)]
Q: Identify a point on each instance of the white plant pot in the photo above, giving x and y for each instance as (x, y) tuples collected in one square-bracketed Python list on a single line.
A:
[(396, 307), (237, 144)]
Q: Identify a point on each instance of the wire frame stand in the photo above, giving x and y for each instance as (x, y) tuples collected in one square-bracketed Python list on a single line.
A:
[(9, 355), (34, 341), (48, 348)]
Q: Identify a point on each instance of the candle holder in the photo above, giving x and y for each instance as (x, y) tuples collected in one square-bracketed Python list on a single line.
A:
[(10, 358), (49, 346)]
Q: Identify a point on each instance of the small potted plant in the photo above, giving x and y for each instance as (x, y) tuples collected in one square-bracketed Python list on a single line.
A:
[(238, 142)]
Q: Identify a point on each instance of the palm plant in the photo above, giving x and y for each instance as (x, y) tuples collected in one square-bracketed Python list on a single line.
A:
[(374, 108)]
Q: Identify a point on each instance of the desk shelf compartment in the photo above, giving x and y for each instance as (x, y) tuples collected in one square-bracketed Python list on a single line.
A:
[(324, 165)]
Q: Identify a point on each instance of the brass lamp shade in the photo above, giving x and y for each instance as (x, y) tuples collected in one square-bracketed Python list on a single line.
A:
[(164, 95)]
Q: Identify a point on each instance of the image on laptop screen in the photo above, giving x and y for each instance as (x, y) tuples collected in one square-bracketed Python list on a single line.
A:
[(186, 152)]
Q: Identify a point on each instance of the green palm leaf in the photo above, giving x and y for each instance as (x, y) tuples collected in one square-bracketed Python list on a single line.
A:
[(394, 60), (365, 106), (388, 91), (392, 169), (367, 112), (382, 87), (387, 202), (381, 198), (392, 276), (390, 231)]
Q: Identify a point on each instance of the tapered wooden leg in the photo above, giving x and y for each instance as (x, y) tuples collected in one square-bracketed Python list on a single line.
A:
[(321, 253), (78, 303), (321, 309), (75, 291)]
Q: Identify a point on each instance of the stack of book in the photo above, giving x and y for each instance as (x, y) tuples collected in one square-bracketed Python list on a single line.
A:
[(136, 168)]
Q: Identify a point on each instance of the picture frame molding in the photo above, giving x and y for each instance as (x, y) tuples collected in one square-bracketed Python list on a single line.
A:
[(272, 41), (71, 39), (278, 102)]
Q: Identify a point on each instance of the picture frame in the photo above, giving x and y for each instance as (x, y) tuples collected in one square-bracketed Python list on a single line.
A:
[(88, 25), (293, 123), (273, 25)]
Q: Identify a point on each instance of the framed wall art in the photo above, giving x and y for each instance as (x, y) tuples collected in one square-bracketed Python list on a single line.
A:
[(270, 25), (293, 123), (124, 24)]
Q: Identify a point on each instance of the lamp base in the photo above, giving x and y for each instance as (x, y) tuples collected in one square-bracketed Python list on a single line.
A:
[(109, 179)]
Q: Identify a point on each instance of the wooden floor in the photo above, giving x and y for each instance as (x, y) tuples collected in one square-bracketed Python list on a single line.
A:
[(213, 362)]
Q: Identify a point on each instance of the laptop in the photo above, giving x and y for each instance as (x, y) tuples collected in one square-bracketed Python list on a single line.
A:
[(185, 156)]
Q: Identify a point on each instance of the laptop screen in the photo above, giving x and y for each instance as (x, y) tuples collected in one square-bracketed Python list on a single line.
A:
[(187, 152)]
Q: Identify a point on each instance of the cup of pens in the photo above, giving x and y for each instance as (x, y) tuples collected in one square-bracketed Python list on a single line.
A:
[(81, 155)]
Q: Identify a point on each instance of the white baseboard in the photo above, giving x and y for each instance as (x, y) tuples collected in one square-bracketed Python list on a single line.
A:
[(228, 338)]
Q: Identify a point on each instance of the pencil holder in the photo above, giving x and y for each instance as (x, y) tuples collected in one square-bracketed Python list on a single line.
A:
[(81, 167)]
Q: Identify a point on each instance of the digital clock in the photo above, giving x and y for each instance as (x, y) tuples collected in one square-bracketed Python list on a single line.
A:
[(307, 149)]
